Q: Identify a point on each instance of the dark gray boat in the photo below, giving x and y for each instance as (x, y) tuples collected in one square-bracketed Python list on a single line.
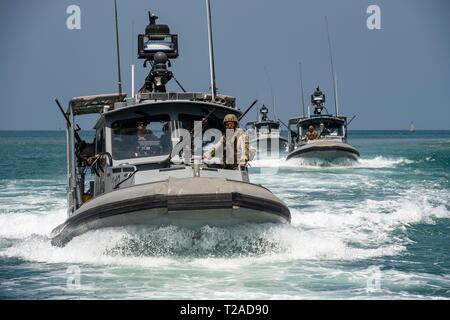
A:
[(320, 137), (265, 134), (144, 167)]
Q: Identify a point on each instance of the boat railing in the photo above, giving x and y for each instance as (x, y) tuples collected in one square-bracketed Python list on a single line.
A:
[(331, 137), (225, 100), (304, 140)]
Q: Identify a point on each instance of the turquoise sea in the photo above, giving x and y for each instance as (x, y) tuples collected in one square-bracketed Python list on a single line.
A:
[(378, 229)]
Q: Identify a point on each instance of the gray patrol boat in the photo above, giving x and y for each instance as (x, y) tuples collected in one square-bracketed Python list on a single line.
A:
[(320, 137), (131, 173), (265, 134)]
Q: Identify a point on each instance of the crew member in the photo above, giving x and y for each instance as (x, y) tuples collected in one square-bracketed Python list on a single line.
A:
[(311, 134), (239, 140), (323, 131), (143, 133)]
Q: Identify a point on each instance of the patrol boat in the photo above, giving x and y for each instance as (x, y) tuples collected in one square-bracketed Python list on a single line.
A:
[(320, 137), (145, 168), (265, 134)]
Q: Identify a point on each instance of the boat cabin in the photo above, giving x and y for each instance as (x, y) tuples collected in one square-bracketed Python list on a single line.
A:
[(135, 141), (324, 126), (264, 127)]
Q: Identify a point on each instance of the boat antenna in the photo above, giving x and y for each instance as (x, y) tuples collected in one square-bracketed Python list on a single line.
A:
[(303, 94), (336, 106), (119, 83), (271, 91), (211, 51), (132, 60), (336, 96)]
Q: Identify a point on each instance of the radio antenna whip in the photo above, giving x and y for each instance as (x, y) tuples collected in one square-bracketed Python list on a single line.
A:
[(119, 83), (336, 106), (271, 91), (211, 52), (301, 86), (132, 60)]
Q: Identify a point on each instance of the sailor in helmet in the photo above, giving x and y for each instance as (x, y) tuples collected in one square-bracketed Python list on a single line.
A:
[(235, 146), (311, 134)]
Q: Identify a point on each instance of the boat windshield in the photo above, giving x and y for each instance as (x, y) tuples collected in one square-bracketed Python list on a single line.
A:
[(267, 127), (141, 137), (187, 121), (323, 130), (249, 125)]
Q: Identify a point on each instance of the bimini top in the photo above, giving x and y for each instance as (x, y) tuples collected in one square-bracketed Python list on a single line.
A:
[(317, 119), (227, 101), (94, 104)]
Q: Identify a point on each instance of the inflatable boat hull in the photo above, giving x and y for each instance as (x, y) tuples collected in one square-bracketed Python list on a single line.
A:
[(188, 202), (325, 151)]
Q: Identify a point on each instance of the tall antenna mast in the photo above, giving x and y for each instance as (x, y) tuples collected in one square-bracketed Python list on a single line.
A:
[(271, 91), (303, 94), (132, 60), (274, 109), (336, 106), (119, 83), (211, 52), (336, 93)]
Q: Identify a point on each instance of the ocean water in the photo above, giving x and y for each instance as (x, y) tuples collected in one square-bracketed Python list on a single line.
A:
[(378, 229)]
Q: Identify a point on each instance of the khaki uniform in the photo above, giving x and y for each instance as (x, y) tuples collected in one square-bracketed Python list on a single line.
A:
[(312, 135), (239, 142)]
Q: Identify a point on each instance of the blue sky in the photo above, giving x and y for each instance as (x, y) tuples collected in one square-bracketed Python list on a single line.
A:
[(387, 77)]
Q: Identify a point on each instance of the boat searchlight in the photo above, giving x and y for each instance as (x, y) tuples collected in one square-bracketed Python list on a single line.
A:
[(157, 38), (157, 46), (264, 111), (317, 100)]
